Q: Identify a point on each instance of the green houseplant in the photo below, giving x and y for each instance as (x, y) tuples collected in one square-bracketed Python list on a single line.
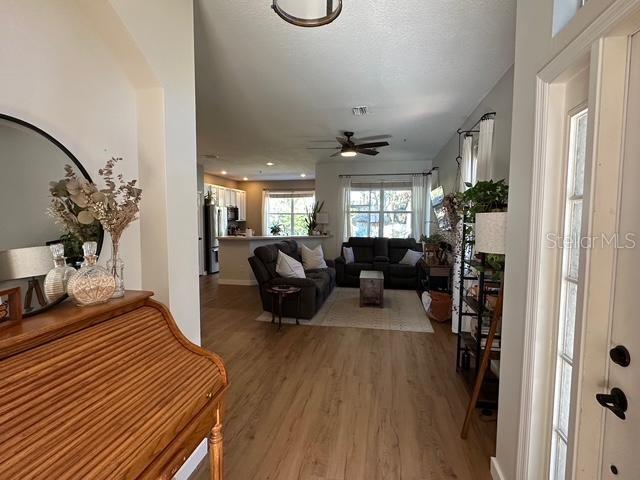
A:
[(276, 229), (311, 220), (484, 197)]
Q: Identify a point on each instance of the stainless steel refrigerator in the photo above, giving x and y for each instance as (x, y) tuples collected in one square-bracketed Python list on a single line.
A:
[(215, 225)]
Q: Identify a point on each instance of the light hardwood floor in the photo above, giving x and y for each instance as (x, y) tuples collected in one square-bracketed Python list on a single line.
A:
[(338, 403)]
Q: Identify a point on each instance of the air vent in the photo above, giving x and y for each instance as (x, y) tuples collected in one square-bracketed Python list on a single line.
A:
[(360, 111)]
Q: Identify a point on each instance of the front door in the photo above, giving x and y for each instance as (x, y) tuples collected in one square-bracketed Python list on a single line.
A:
[(621, 446)]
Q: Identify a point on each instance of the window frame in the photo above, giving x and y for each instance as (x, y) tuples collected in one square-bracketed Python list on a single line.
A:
[(381, 212), (292, 213), (566, 281)]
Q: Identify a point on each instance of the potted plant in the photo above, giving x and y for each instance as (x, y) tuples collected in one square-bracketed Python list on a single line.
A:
[(484, 197), (311, 220), (276, 229), (432, 246)]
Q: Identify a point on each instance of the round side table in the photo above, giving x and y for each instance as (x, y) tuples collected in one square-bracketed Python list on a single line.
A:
[(278, 295)]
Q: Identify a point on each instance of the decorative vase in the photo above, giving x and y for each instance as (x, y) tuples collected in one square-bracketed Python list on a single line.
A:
[(55, 283), (115, 266), (92, 284)]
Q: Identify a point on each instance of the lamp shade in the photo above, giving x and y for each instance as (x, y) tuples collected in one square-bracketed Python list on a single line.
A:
[(28, 262), (322, 218), (490, 232)]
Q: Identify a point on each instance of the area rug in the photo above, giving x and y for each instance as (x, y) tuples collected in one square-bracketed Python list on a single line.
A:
[(402, 311)]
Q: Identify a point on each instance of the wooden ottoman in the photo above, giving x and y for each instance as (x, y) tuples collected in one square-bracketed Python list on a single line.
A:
[(371, 288)]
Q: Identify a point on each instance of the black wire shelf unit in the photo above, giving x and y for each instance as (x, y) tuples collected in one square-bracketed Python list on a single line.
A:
[(472, 343)]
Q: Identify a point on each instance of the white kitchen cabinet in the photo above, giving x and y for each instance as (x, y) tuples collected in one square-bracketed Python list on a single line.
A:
[(241, 197)]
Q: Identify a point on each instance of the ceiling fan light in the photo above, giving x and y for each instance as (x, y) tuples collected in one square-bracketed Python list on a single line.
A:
[(348, 153)]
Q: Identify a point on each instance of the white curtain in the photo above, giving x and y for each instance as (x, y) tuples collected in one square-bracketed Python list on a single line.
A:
[(485, 148), (467, 167), (344, 218), (266, 228), (419, 205), (432, 182)]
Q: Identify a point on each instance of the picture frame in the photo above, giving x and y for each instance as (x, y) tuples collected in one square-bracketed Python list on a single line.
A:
[(10, 304)]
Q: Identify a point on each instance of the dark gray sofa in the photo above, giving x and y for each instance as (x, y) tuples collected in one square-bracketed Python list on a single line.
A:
[(382, 254), (315, 288)]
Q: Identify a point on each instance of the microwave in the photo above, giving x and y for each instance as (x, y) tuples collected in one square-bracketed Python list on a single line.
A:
[(232, 214)]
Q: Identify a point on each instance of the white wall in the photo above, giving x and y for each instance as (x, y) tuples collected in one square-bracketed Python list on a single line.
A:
[(116, 78), (80, 96), (328, 186), (499, 100), (535, 47)]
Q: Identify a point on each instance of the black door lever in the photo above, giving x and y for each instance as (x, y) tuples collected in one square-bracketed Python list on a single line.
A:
[(616, 401)]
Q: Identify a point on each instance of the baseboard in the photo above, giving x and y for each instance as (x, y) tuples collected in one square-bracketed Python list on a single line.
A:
[(496, 472), (243, 283)]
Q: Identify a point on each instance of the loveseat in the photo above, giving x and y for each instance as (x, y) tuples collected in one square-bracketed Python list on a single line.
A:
[(382, 254), (316, 287)]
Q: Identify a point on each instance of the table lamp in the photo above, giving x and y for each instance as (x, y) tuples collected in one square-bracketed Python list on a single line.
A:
[(27, 263)]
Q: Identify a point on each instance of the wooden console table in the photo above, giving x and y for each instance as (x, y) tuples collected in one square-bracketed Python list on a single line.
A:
[(113, 391)]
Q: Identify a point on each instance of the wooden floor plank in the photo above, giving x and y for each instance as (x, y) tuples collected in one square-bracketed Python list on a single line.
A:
[(326, 403)]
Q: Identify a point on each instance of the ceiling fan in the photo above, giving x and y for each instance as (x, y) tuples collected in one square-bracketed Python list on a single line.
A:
[(350, 147)]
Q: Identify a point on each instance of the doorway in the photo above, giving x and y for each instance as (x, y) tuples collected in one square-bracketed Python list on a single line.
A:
[(583, 396)]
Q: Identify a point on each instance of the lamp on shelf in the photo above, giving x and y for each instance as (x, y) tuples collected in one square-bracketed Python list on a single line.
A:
[(27, 263), (322, 219), (490, 233)]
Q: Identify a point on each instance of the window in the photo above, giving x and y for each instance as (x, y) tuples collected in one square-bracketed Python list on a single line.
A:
[(563, 391), (287, 209), (381, 211), (564, 11)]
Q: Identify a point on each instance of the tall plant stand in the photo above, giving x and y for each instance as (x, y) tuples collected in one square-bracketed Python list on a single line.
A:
[(484, 364)]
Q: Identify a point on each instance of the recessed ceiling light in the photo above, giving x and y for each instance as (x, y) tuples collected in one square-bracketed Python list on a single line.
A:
[(303, 175), (270, 164), (245, 179), (224, 172)]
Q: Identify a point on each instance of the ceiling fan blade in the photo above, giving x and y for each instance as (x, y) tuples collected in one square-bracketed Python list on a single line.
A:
[(373, 137), (323, 148), (335, 154), (367, 151), (342, 141), (373, 145)]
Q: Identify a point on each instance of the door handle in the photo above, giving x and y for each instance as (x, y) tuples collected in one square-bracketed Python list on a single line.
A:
[(616, 401), (620, 356)]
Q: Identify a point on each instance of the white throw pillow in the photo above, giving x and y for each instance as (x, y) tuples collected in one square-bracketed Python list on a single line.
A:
[(313, 259), (288, 267), (411, 258), (347, 253)]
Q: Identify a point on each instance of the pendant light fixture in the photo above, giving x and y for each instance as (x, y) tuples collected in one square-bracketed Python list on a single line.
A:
[(308, 13)]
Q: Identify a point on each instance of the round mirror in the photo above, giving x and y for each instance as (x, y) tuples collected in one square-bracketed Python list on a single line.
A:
[(30, 159), (308, 13)]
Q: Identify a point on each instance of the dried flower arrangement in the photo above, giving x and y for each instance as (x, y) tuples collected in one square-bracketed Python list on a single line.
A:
[(77, 203), (66, 212)]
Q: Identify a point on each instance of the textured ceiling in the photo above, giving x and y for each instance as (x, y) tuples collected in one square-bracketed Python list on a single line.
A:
[(267, 90)]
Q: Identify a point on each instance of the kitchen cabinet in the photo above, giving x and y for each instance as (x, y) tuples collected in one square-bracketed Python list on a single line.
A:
[(241, 197), (229, 197)]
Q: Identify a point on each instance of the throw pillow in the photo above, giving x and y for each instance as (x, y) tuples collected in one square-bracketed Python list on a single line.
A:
[(347, 253), (313, 259), (411, 258), (288, 267)]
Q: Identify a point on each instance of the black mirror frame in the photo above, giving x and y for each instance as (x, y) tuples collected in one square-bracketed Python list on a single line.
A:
[(82, 170)]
